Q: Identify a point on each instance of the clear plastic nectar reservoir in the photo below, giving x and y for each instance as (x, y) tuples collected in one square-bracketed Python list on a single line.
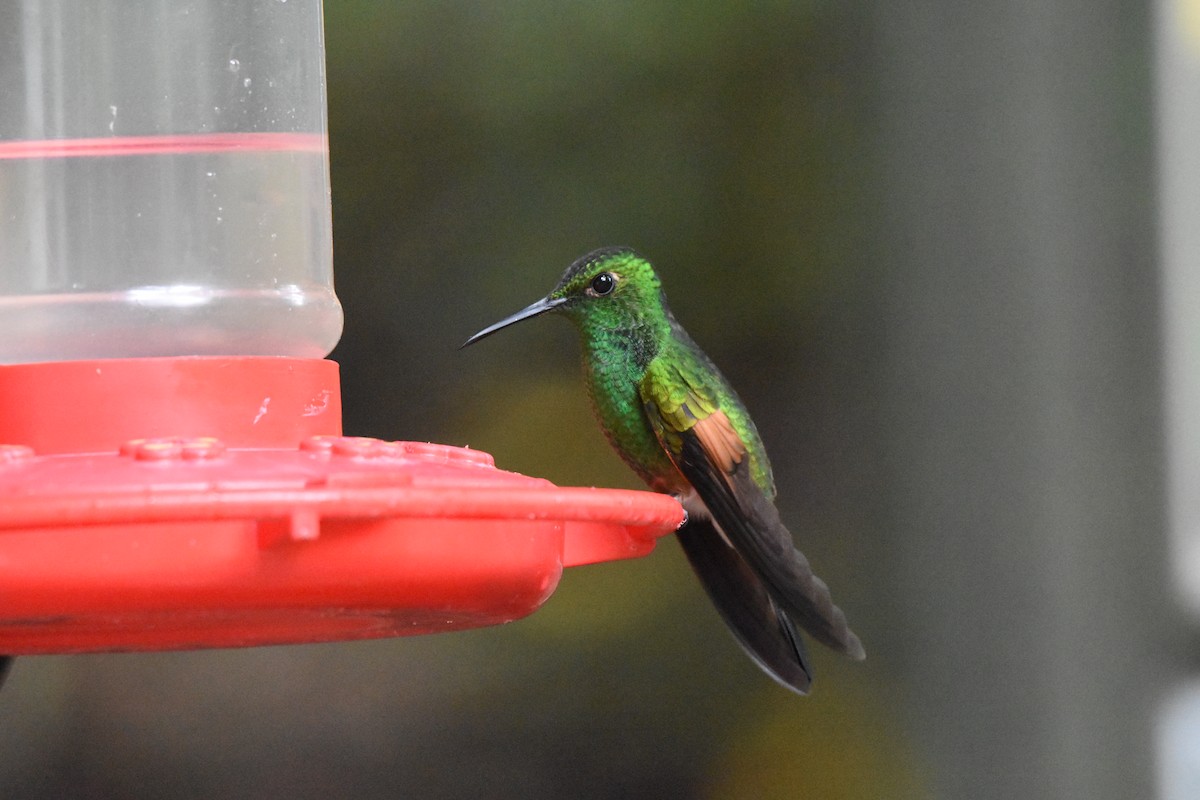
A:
[(164, 182)]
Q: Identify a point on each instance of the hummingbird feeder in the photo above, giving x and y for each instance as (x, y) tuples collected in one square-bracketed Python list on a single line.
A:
[(173, 472)]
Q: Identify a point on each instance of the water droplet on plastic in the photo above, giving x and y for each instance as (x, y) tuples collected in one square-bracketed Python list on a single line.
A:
[(246, 83), (234, 65)]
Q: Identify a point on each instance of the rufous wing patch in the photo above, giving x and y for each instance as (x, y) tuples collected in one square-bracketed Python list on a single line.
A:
[(720, 441)]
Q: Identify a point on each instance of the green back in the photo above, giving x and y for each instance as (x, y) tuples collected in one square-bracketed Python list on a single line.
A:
[(633, 350)]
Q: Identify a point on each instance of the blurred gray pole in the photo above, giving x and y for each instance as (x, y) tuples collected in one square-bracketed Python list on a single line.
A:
[(1022, 400)]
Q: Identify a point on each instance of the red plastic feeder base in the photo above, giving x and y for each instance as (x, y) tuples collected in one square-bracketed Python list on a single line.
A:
[(151, 504)]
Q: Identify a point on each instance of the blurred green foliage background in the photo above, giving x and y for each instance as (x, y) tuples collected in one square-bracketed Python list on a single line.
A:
[(479, 148)]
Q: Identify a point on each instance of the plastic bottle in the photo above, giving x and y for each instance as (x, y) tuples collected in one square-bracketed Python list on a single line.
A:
[(164, 185)]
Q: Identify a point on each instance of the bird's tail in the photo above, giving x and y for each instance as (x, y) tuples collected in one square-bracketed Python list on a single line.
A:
[(764, 631), (750, 521), (767, 546)]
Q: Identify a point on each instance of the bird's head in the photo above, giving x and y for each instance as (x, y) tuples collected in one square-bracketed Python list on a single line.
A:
[(609, 289)]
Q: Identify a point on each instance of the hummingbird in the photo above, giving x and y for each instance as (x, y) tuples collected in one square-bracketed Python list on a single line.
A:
[(678, 423)]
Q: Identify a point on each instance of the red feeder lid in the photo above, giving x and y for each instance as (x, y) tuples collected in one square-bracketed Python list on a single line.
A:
[(181, 539)]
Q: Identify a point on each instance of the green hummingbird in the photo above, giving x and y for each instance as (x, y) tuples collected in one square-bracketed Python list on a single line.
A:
[(674, 419)]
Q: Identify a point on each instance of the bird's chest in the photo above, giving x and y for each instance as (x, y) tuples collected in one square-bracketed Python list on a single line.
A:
[(612, 379)]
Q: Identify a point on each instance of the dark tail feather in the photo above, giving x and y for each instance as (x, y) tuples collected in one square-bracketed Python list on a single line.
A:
[(794, 585), (765, 633), (752, 523)]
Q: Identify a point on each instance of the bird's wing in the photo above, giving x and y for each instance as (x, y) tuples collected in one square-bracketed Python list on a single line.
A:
[(700, 439)]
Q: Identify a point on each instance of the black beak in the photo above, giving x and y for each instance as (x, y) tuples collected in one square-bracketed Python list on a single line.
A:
[(540, 307)]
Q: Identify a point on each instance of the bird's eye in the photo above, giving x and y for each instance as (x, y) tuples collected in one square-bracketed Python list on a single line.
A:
[(603, 284)]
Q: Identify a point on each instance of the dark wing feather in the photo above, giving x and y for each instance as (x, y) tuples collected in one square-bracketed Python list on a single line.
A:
[(742, 600), (752, 525)]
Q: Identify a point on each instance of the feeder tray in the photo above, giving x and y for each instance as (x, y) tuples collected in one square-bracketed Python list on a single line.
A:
[(176, 503)]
